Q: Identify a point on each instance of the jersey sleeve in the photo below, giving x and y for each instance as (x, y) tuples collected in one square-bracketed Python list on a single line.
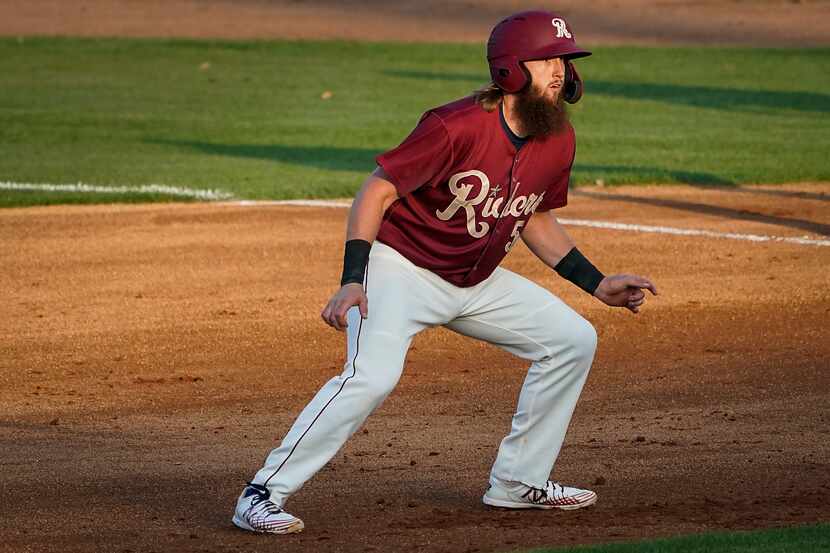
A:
[(424, 158), (557, 193)]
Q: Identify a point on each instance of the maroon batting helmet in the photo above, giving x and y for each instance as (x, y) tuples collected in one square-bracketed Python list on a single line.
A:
[(532, 35)]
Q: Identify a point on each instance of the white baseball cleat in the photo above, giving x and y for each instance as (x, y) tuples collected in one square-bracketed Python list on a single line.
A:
[(257, 513), (516, 495)]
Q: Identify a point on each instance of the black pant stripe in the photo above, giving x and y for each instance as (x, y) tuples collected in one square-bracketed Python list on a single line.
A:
[(343, 385)]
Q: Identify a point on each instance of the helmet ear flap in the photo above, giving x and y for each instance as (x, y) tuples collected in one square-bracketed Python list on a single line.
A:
[(572, 90), (509, 74)]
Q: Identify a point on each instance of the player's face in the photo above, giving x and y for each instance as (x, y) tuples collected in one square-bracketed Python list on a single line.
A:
[(540, 107), (547, 76)]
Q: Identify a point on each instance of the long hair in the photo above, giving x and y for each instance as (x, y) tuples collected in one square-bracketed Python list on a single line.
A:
[(488, 96)]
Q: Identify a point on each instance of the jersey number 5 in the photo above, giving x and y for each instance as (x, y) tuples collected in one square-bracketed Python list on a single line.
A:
[(517, 229)]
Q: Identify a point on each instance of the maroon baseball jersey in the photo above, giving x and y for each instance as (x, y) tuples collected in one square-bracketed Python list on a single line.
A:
[(466, 192)]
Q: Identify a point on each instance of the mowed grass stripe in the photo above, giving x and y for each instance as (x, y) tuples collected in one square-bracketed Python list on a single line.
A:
[(296, 119), (802, 539)]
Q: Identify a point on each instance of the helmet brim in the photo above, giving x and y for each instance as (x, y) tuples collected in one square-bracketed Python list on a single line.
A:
[(578, 54), (570, 53)]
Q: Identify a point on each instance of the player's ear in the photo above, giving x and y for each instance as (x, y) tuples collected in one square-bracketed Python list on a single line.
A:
[(509, 73), (572, 90)]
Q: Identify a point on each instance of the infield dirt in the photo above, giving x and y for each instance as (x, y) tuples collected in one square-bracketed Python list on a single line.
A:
[(152, 356), (735, 22)]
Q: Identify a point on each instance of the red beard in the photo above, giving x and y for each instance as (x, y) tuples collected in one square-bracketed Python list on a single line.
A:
[(538, 115)]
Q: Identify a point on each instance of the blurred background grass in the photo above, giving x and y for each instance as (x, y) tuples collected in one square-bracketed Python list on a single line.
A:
[(799, 539), (303, 119)]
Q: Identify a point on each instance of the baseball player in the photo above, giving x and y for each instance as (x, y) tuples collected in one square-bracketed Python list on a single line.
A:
[(426, 234)]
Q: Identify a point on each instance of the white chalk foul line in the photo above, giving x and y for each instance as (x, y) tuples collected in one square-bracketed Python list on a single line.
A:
[(176, 191), (695, 232), (597, 224), (212, 195), (301, 203)]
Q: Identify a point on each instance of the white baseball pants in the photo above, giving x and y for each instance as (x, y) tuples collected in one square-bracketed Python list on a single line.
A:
[(506, 310)]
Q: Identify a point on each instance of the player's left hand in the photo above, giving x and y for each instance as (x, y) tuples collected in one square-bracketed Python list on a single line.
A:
[(624, 291)]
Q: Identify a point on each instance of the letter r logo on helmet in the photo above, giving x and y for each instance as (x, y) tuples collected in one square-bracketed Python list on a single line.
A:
[(525, 36), (561, 28)]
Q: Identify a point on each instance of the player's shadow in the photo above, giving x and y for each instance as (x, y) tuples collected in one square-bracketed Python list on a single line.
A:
[(732, 99), (707, 209), (590, 172), (362, 160), (321, 157), (799, 194), (481, 78), (725, 98)]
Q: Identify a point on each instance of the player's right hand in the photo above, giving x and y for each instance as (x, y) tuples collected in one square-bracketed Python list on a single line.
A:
[(347, 297)]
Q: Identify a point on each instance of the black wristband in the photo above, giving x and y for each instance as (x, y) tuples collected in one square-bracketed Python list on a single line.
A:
[(355, 259), (576, 268)]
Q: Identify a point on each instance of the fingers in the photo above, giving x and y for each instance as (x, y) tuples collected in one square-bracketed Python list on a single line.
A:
[(340, 316), (334, 315), (646, 284), (635, 299), (634, 306), (635, 281), (326, 314)]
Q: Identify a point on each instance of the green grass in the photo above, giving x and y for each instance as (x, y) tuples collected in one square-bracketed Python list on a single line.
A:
[(803, 539), (132, 112), (23, 198)]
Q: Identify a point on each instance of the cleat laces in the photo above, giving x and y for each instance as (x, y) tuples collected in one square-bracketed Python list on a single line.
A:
[(265, 505), (542, 495), (262, 504)]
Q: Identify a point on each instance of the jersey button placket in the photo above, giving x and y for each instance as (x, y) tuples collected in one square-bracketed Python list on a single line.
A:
[(512, 188)]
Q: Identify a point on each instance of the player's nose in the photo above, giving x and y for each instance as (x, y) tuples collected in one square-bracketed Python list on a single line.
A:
[(558, 72)]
